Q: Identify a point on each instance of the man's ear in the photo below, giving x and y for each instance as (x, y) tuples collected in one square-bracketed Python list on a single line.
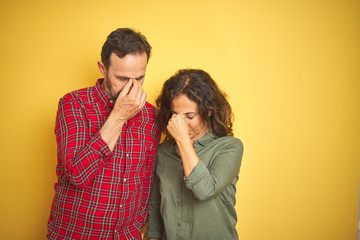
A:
[(102, 68)]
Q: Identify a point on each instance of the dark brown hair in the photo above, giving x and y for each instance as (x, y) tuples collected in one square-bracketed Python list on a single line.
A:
[(123, 41), (200, 88)]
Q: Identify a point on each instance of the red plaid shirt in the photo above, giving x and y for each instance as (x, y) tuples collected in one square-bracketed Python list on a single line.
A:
[(101, 194)]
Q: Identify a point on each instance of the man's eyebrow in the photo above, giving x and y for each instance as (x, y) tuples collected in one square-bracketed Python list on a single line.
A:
[(142, 76), (119, 76), (125, 77)]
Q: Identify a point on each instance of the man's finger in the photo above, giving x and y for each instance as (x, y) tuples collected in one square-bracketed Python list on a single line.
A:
[(126, 89), (136, 89), (143, 99)]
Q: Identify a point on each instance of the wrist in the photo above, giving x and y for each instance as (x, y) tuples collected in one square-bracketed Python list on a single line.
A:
[(184, 141), (112, 126), (116, 121)]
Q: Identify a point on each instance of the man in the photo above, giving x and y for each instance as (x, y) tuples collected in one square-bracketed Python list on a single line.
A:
[(106, 138)]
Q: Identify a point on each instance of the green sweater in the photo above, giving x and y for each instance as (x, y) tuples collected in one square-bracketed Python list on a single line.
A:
[(202, 205)]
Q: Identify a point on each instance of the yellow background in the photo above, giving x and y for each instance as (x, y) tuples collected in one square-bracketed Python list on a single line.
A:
[(290, 69)]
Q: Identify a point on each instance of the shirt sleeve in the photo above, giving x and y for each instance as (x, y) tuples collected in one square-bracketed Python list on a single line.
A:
[(207, 182), (155, 223), (82, 155)]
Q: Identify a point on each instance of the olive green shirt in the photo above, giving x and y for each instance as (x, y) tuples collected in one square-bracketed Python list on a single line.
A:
[(200, 206)]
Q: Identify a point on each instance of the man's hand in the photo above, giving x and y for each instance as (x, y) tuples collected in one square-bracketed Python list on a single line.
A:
[(130, 101)]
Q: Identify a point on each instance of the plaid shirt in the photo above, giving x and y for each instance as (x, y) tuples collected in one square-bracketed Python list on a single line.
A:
[(101, 194)]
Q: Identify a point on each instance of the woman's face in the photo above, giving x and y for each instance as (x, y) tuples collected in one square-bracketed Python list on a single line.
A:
[(184, 106)]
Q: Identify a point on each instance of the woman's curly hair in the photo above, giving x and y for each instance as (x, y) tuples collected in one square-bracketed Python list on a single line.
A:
[(200, 88)]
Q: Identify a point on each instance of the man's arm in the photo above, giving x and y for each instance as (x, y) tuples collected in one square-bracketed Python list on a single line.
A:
[(82, 153), (83, 156)]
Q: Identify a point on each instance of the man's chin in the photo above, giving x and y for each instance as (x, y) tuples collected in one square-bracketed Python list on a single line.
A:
[(114, 98)]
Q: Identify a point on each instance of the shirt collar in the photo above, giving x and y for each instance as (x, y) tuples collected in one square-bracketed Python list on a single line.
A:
[(102, 95), (208, 137), (204, 140)]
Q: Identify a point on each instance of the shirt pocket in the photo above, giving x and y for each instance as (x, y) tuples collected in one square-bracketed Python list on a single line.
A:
[(138, 150)]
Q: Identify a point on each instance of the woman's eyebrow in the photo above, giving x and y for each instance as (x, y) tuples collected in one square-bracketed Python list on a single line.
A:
[(184, 113)]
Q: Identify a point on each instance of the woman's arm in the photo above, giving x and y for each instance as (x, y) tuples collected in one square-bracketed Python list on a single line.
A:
[(179, 130), (203, 181), (209, 181)]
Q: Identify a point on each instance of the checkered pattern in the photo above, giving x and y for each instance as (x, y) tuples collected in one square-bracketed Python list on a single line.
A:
[(101, 194)]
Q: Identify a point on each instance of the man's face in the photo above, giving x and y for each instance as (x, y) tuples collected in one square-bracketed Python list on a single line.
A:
[(121, 70)]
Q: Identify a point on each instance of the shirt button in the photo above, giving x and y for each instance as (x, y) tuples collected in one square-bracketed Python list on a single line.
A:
[(120, 207), (124, 179), (127, 155)]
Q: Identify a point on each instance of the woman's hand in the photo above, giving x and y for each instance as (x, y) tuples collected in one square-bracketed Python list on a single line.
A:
[(178, 128)]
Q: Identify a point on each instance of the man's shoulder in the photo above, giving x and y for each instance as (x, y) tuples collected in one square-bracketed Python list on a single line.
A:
[(150, 108), (78, 96), (148, 113), (148, 117)]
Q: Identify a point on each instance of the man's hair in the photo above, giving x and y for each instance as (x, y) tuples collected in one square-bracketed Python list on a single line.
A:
[(123, 41), (200, 88)]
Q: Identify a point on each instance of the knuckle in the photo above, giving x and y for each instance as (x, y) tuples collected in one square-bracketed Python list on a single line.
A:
[(131, 98)]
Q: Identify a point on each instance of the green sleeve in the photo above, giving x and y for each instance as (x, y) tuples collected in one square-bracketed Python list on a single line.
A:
[(155, 223), (209, 182)]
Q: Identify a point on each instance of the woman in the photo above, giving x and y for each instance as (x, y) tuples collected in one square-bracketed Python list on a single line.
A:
[(198, 163)]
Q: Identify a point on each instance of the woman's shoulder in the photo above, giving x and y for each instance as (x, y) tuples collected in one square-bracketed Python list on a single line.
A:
[(227, 143), (229, 140), (230, 145)]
